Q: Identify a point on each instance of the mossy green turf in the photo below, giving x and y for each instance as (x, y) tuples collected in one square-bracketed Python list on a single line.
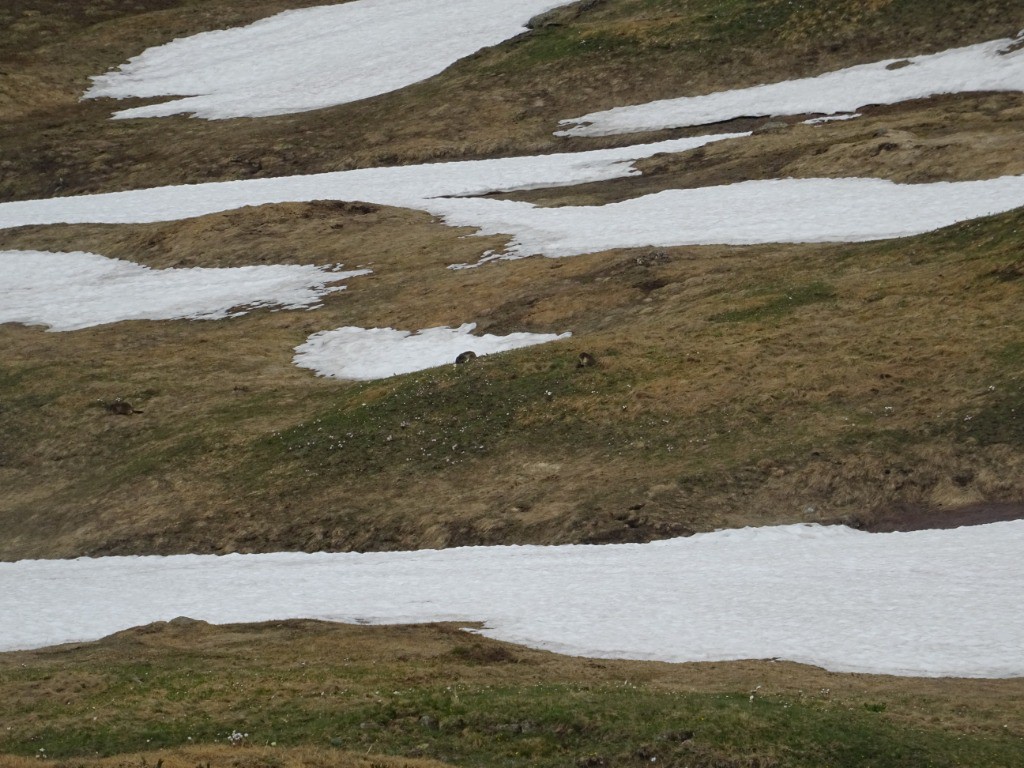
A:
[(185, 698)]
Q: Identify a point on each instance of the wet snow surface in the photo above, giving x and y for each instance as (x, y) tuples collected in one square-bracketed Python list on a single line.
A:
[(314, 57), (992, 66), (929, 603), (70, 291), (377, 353)]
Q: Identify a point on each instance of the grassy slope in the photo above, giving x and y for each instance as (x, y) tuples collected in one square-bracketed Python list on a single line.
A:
[(503, 101), (438, 693), (734, 386)]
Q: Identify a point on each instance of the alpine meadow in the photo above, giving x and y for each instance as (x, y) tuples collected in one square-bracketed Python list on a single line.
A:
[(421, 383)]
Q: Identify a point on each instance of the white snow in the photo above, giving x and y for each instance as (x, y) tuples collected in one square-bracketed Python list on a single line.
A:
[(928, 603), (991, 66), (775, 211), (314, 57), (410, 186), (365, 354), (70, 291), (751, 212), (832, 118)]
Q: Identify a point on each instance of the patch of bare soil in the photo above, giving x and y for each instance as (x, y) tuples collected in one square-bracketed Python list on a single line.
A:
[(906, 517)]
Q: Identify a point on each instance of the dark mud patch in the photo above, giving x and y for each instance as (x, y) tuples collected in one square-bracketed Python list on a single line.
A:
[(911, 517)]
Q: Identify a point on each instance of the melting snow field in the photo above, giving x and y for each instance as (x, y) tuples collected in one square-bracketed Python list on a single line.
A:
[(70, 291), (410, 186), (314, 57), (774, 211), (927, 603), (376, 353), (991, 66), (748, 213)]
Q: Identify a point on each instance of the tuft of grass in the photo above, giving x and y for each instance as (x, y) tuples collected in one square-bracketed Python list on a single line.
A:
[(779, 305), (441, 417), (999, 419)]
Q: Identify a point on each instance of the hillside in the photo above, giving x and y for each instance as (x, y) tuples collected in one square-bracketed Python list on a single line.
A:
[(734, 385), (850, 376)]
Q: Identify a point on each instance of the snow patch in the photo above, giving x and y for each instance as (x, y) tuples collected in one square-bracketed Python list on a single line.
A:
[(993, 66), (927, 603), (747, 213), (365, 354), (408, 186), (70, 291), (773, 211), (311, 58), (832, 118)]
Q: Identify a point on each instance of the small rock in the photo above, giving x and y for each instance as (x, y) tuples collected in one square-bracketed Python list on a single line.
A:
[(120, 407), (899, 64), (652, 258)]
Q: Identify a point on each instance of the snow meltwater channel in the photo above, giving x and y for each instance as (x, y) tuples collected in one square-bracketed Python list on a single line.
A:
[(313, 57), (927, 603), (993, 66), (747, 213)]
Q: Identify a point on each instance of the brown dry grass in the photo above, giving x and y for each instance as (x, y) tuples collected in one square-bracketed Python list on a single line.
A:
[(951, 138), (713, 404), (505, 100)]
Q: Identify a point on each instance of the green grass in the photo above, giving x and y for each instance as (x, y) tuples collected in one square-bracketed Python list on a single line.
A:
[(779, 305), (998, 419), (722, 29), (745, 22), (446, 416), (540, 724)]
